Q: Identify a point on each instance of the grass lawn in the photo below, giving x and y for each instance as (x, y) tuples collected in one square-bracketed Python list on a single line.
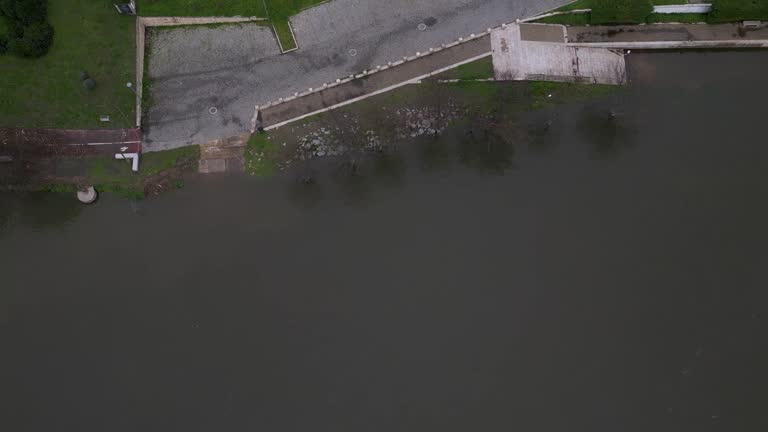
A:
[(200, 8), (279, 11), (47, 92), (544, 94), (114, 176), (677, 18), (739, 10), (261, 156), (476, 70), (283, 32)]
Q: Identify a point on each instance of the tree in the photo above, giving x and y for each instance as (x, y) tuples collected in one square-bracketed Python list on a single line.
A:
[(34, 42), (25, 12), (29, 34)]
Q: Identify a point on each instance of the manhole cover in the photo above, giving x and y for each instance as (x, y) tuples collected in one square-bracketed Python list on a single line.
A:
[(422, 27), (352, 52), (213, 110)]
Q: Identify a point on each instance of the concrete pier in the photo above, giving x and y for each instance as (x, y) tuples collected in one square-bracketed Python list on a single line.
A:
[(540, 52)]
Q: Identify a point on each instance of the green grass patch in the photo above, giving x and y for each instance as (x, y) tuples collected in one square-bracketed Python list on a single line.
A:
[(578, 4), (284, 9), (544, 94), (279, 11), (201, 8), (3, 26), (738, 10), (47, 91), (115, 176), (261, 155), (677, 18), (283, 33), (476, 70), (620, 11)]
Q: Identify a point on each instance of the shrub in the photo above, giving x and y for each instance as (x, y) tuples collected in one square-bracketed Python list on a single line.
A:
[(3, 45), (620, 11), (35, 41), (25, 11), (739, 10)]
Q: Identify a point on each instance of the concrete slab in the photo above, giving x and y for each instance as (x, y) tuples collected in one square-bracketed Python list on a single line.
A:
[(516, 59)]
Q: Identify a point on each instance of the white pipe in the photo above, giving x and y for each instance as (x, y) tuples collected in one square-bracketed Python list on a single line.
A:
[(134, 156)]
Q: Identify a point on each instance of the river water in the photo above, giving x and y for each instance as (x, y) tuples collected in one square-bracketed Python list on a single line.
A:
[(613, 278)]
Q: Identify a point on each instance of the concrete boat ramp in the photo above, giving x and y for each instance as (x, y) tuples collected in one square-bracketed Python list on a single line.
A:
[(540, 52)]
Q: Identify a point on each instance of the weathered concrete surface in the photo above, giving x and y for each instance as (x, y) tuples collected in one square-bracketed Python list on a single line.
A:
[(379, 31), (223, 155), (518, 59)]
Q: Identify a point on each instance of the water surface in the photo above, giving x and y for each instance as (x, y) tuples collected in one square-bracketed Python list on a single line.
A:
[(612, 279)]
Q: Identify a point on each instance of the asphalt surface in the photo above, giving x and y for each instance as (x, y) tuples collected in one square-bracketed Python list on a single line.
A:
[(234, 81)]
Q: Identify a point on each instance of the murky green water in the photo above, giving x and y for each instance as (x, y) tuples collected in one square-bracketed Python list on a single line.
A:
[(613, 278)]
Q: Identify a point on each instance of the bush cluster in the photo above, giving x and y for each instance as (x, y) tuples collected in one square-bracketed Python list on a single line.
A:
[(30, 35)]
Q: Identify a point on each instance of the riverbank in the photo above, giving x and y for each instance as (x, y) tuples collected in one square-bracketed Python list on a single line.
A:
[(160, 172), (381, 126)]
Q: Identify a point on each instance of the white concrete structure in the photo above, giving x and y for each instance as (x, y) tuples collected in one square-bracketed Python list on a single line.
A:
[(550, 59), (683, 8), (129, 156), (87, 195)]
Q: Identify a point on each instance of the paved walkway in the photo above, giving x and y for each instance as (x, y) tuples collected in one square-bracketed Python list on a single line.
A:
[(378, 32)]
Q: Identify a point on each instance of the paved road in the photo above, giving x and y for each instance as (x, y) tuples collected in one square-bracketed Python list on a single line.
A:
[(378, 31)]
